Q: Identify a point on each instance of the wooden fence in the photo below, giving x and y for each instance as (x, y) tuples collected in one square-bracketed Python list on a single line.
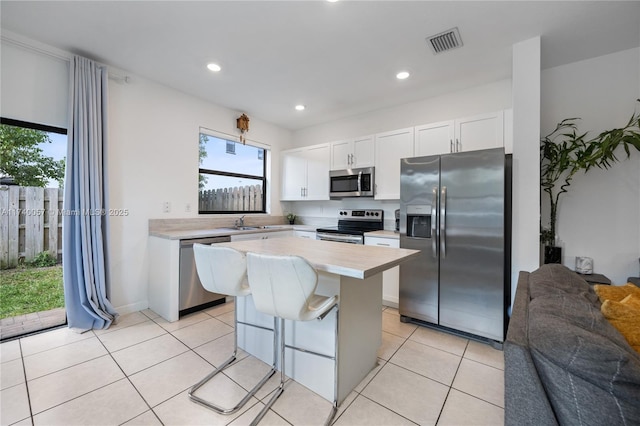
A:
[(30, 223), (245, 198)]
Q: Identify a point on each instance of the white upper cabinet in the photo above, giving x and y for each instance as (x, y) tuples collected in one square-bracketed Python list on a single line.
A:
[(352, 153), (390, 147), (305, 173), (434, 138), (294, 175), (479, 132), (463, 134), (317, 173)]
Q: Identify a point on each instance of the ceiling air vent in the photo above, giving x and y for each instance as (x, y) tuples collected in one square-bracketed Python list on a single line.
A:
[(444, 41)]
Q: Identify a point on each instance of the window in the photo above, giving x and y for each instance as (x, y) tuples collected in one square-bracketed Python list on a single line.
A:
[(32, 163), (33, 155), (232, 176)]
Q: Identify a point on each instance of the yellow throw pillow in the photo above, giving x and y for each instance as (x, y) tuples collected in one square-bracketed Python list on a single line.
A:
[(615, 292), (632, 301), (625, 317)]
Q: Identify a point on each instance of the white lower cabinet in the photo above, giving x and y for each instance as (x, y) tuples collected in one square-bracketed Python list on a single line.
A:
[(310, 235), (261, 235), (390, 277)]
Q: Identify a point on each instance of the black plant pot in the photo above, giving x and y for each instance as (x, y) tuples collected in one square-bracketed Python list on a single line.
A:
[(552, 254)]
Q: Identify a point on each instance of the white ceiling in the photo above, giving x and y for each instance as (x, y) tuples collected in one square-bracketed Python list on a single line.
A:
[(339, 59)]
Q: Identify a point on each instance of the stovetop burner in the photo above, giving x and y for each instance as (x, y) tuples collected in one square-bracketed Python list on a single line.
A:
[(356, 222)]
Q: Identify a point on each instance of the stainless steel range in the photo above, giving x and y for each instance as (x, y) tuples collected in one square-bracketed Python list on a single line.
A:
[(352, 225)]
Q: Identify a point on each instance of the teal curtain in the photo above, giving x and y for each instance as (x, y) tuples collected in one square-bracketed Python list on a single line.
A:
[(85, 224)]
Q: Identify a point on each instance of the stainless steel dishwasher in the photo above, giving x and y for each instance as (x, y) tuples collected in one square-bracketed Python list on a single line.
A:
[(193, 297)]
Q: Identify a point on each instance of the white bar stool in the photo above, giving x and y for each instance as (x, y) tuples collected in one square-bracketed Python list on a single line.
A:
[(223, 270), (284, 286)]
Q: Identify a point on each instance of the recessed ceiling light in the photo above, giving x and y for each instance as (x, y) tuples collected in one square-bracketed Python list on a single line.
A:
[(402, 75), (300, 107), (332, 1), (213, 67)]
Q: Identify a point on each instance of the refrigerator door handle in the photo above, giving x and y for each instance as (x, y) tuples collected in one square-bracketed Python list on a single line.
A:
[(434, 215), (443, 222)]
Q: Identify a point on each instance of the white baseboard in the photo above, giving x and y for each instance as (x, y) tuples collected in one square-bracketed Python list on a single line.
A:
[(133, 307), (390, 303)]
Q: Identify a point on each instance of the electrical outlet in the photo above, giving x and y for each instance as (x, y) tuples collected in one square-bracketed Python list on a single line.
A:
[(187, 207), (166, 207)]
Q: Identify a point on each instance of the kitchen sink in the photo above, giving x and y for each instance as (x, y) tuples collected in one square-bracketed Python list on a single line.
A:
[(239, 228), (251, 228)]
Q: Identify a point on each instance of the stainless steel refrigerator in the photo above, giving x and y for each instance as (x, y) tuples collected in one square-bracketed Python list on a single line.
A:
[(452, 208)]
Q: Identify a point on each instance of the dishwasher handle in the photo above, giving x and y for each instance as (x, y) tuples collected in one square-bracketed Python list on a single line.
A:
[(208, 240)]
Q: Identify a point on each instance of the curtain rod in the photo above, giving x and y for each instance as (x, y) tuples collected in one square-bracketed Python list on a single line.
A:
[(124, 79)]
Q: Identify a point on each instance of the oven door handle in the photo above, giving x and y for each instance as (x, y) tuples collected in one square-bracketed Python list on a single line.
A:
[(353, 239)]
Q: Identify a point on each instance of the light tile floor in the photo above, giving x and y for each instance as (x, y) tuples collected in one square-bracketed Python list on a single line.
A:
[(138, 372)]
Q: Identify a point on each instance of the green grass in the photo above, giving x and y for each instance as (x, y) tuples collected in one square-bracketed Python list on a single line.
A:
[(27, 290)]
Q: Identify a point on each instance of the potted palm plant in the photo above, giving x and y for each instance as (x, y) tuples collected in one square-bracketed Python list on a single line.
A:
[(564, 152)]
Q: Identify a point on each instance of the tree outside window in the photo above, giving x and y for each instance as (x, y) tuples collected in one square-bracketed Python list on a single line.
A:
[(23, 160)]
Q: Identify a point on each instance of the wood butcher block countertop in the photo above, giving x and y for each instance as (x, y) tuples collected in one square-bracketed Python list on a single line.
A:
[(351, 260)]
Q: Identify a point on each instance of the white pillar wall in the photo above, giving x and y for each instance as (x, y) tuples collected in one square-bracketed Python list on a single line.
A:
[(526, 158)]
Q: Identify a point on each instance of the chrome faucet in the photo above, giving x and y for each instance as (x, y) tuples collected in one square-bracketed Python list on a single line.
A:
[(239, 223)]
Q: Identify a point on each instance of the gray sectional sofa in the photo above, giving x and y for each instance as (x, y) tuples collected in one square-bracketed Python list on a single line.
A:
[(564, 362)]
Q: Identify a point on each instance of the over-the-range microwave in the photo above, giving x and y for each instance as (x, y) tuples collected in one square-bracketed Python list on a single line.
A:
[(351, 183)]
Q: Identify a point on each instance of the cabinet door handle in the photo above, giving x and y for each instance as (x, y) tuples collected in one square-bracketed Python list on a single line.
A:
[(450, 145), (458, 145), (380, 244)]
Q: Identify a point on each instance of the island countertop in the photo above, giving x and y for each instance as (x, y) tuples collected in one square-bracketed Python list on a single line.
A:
[(351, 260)]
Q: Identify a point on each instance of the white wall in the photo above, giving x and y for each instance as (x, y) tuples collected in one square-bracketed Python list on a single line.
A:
[(153, 158), (526, 159), (477, 100), (598, 217), (152, 150)]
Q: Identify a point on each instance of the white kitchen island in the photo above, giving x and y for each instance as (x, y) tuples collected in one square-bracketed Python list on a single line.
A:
[(354, 272)]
